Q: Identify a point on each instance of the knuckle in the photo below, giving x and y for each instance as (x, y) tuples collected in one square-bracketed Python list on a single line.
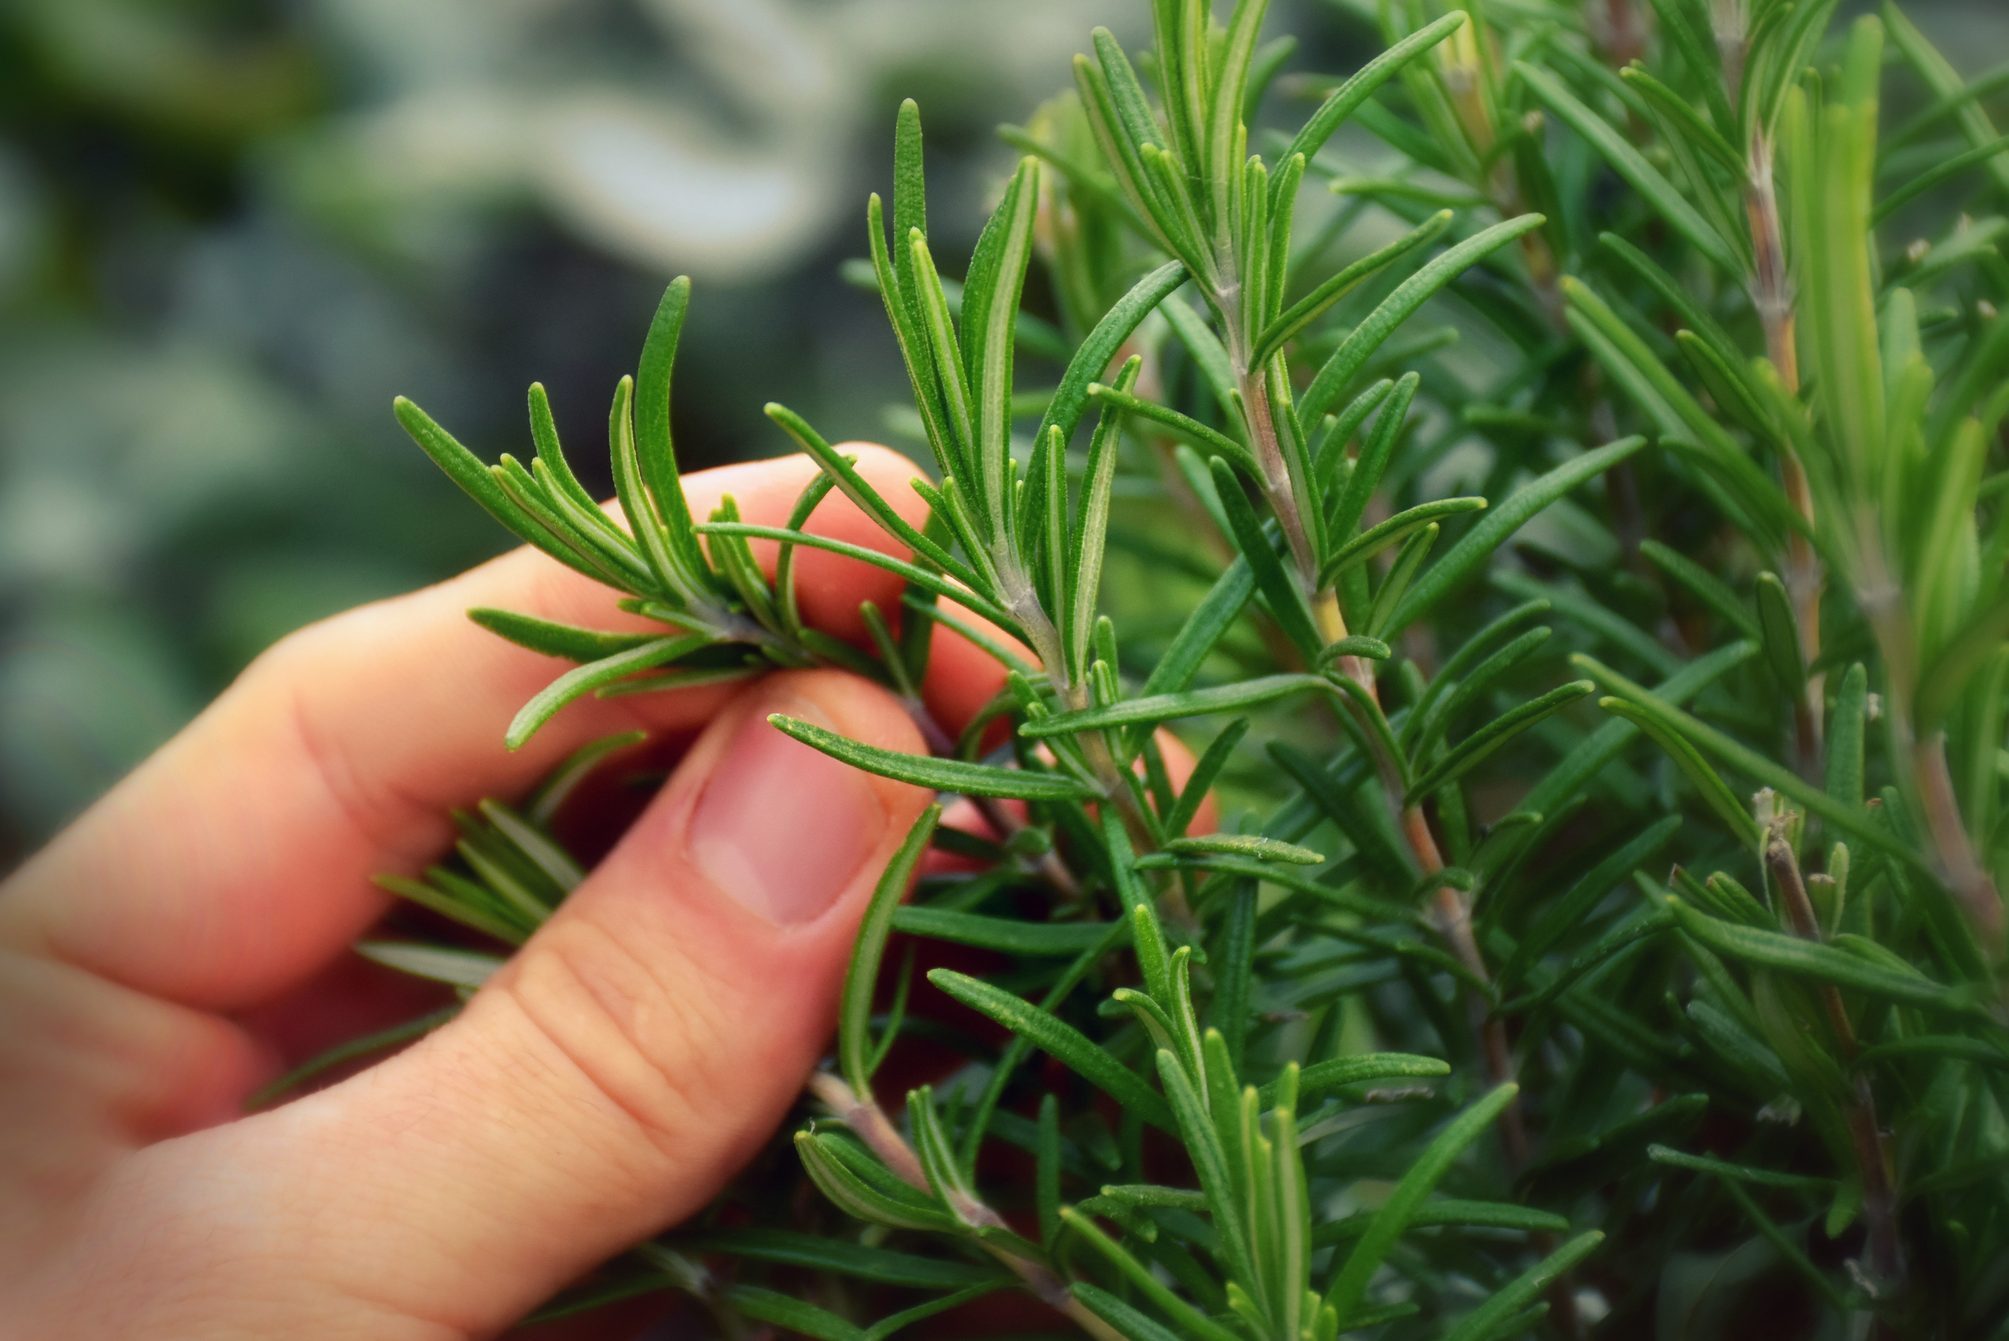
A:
[(635, 1036), (289, 682), (310, 645)]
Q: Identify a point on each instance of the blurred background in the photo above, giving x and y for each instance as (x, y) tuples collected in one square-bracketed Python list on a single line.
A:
[(232, 230)]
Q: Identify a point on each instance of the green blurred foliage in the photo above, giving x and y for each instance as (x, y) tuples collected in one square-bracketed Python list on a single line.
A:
[(231, 231)]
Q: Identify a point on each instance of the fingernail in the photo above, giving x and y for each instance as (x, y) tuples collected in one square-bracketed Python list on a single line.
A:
[(781, 828)]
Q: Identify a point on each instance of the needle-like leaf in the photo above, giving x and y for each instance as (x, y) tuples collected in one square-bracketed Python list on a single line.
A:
[(1334, 378), (577, 683), (1155, 708), (944, 775), (1468, 753), (1058, 1039), (854, 1013), (1500, 522), (1629, 163), (1349, 1287)]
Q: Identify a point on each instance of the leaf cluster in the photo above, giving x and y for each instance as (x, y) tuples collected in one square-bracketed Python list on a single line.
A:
[(1567, 526)]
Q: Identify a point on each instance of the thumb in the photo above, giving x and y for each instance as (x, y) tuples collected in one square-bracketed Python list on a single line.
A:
[(634, 1054)]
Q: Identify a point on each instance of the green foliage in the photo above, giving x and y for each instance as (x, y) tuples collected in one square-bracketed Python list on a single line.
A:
[(1487, 1004)]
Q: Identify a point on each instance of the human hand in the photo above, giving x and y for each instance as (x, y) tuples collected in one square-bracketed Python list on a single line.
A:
[(604, 1084)]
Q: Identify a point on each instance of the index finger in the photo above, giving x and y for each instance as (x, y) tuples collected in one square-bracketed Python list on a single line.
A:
[(238, 859)]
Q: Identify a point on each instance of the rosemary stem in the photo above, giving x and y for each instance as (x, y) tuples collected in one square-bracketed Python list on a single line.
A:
[(1886, 1249), (1971, 883), (870, 1124), (1109, 774), (1772, 296), (1454, 920), (1972, 887), (995, 813)]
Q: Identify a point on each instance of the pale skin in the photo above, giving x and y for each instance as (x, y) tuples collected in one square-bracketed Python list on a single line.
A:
[(603, 1086)]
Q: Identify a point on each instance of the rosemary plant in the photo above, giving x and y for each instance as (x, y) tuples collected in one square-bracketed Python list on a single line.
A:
[(1555, 484)]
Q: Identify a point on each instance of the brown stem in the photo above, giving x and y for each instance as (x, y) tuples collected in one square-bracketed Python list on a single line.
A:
[(1046, 647), (1269, 455), (1960, 866), (1886, 1248), (1454, 923), (869, 1123), (1000, 818), (1454, 918), (1619, 31), (1970, 881), (1019, 597), (1772, 295)]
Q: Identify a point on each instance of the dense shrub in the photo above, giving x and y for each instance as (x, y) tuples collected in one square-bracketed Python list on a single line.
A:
[(1563, 511)]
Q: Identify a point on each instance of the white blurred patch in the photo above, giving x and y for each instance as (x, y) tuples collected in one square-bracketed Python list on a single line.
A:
[(734, 146), (652, 184)]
